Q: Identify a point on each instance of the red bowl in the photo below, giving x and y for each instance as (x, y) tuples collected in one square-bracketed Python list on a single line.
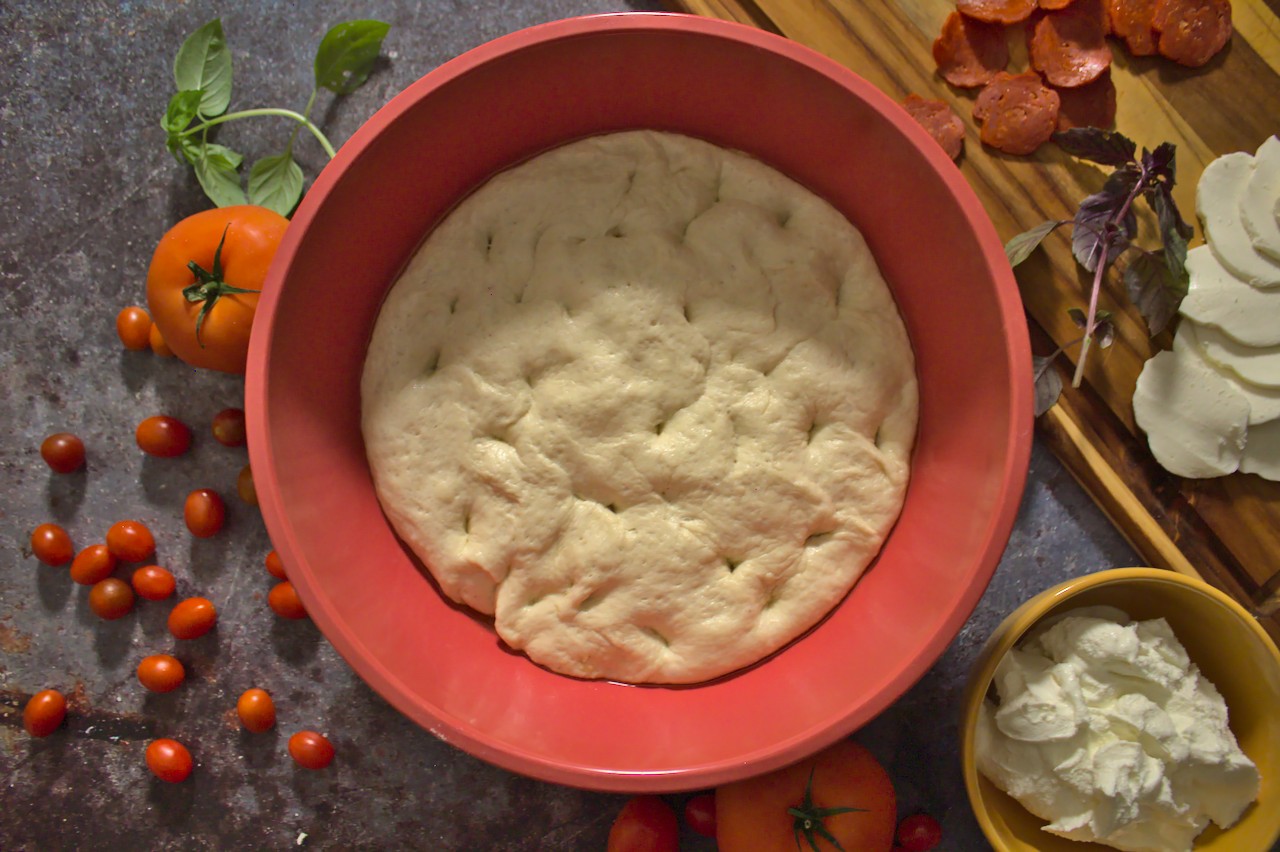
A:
[(499, 104)]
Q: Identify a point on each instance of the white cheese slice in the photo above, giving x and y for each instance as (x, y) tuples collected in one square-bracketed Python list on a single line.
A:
[(1218, 298), (1264, 403), (1218, 197), (1262, 451), (1195, 422), (1260, 197), (1259, 365)]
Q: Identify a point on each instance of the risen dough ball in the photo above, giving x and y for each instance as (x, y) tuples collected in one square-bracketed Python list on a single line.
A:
[(647, 402)]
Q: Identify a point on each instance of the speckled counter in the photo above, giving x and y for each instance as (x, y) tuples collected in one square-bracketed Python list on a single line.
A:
[(87, 190)]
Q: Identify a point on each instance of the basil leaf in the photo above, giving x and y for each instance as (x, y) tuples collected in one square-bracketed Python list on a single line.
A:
[(229, 157), (182, 110), (1094, 234), (347, 53), (1154, 290), (1160, 163), (276, 183), (1020, 247), (1048, 382), (218, 176), (204, 63), (1100, 146), (1104, 332), (185, 149)]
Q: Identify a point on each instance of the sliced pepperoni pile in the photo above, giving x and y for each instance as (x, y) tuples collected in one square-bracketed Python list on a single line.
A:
[(1069, 55), (940, 120), (1018, 112)]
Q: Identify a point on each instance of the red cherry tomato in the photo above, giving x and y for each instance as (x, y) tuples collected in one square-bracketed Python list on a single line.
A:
[(645, 824), (275, 566), (158, 346), (244, 486), (204, 512), (44, 712), (163, 436), (312, 750), (284, 601), (111, 599), (169, 760), (130, 541), (93, 565), (161, 673), (919, 833), (153, 582), (256, 710), (51, 545), (228, 427), (63, 452), (133, 325), (700, 814), (192, 618)]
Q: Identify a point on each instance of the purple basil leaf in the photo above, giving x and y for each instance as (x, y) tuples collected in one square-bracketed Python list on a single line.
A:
[(1093, 231), (1160, 163), (1104, 331), (1047, 381), (1020, 247), (1100, 146), (1078, 316), (1154, 290)]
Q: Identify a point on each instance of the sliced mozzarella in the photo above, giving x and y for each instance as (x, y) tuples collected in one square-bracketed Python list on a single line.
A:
[(1264, 403), (1262, 451), (1218, 202), (1195, 422), (1260, 197), (1259, 365), (1218, 298)]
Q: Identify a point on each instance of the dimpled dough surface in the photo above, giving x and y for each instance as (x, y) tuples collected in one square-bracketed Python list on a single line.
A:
[(647, 402)]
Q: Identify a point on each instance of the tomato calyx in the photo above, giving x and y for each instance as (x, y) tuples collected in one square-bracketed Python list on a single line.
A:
[(808, 819), (209, 286)]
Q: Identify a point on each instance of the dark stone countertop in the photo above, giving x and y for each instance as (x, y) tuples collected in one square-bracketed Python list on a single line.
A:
[(87, 191)]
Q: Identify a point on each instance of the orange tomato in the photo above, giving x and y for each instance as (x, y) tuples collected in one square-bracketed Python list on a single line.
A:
[(256, 710), (205, 316), (753, 814), (133, 326), (44, 712)]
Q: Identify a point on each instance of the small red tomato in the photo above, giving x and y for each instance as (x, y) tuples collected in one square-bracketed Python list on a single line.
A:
[(63, 452), (312, 750), (93, 565), (169, 760), (700, 814), (275, 566), (130, 541), (244, 486), (161, 673), (919, 833), (153, 582), (111, 599), (228, 427), (44, 712), (204, 512), (645, 824), (133, 325), (158, 346), (51, 545), (163, 436), (284, 601), (256, 710), (192, 618)]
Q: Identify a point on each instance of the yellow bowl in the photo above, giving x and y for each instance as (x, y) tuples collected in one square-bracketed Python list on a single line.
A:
[(1221, 637)]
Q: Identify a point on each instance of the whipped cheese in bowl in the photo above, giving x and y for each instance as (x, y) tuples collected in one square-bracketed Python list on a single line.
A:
[(1106, 728)]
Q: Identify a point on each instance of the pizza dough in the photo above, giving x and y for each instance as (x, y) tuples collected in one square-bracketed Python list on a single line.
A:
[(646, 401)]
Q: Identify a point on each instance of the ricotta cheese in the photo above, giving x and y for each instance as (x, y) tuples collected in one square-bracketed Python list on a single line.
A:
[(1107, 730), (647, 402)]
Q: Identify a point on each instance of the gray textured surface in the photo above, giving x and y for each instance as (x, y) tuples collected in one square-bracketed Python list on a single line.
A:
[(87, 189)]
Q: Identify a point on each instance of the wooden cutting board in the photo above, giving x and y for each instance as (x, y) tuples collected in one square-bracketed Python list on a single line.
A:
[(1225, 530)]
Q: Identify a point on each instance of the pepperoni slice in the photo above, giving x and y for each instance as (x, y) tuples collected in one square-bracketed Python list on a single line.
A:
[(1131, 20), (969, 52), (1051, 5), (997, 11), (1069, 47), (1090, 105), (1018, 113), (940, 120), (1192, 31)]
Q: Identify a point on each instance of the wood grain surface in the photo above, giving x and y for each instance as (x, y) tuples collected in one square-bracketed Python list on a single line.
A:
[(1225, 530)]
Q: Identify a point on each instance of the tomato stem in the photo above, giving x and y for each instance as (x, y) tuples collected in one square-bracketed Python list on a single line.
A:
[(208, 286), (808, 819)]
